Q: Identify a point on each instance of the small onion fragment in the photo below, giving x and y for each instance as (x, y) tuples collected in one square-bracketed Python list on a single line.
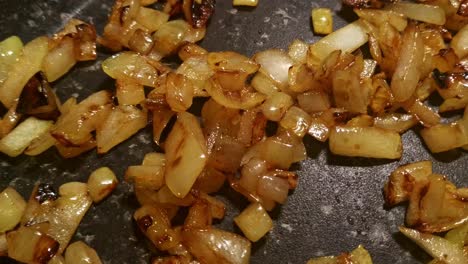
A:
[(438, 247), (12, 206), (407, 72), (426, 13), (275, 64), (186, 154), (216, 246), (80, 253), (254, 222), (101, 183)]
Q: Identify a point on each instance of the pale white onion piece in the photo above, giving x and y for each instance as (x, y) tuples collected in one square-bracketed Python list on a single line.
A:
[(275, 63), (347, 39), (460, 42), (431, 14), (407, 72), (273, 188), (12, 206)]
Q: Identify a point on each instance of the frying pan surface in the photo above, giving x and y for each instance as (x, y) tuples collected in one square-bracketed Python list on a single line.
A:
[(338, 203)]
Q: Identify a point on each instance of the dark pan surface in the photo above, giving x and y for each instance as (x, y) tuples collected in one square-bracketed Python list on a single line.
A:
[(337, 205)]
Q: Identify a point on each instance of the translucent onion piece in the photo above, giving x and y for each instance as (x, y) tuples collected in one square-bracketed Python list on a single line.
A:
[(231, 61), (314, 101), (29, 63), (346, 39), (60, 59), (217, 246), (10, 49), (12, 206), (170, 36), (365, 142), (151, 19), (245, 2), (21, 137), (395, 122), (121, 123), (297, 50), (186, 154), (438, 247), (431, 14), (459, 42), (254, 222), (101, 183), (245, 100), (129, 65), (179, 92), (444, 137), (407, 73), (276, 105), (273, 188), (378, 17), (296, 120), (322, 20), (275, 63), (80, 253)]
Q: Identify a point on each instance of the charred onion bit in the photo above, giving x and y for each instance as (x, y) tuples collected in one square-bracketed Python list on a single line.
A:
[(45, 250), (440, 78), (463, 9), (45, 192), (38, 99), (198, 14)]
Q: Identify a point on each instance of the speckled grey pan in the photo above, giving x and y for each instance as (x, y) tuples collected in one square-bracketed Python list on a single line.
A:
[(338, 203)]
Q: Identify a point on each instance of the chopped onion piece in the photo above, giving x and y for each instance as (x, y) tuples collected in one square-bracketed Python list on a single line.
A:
[(151, 19), (438, 247), (129, 65), (297, 121), (216, 246), (28, 245), (101, 183), (179, 92), (276, 105), (395, 122), (264, 84), (459, 42), (186, 154), (19, 139), (407, 73), (314, 101), (28, 64), (368, 142), (322, 20), (245, 2), (444, 137), (12, 206), (80, 253), (297, 50), (122, 122), (346, 39), (426, 13), (234, 100), (154, 159), (10, 50), (150, 177), (60, 59), (275, 64), (254, 222), (231, 61), (273, 188)]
